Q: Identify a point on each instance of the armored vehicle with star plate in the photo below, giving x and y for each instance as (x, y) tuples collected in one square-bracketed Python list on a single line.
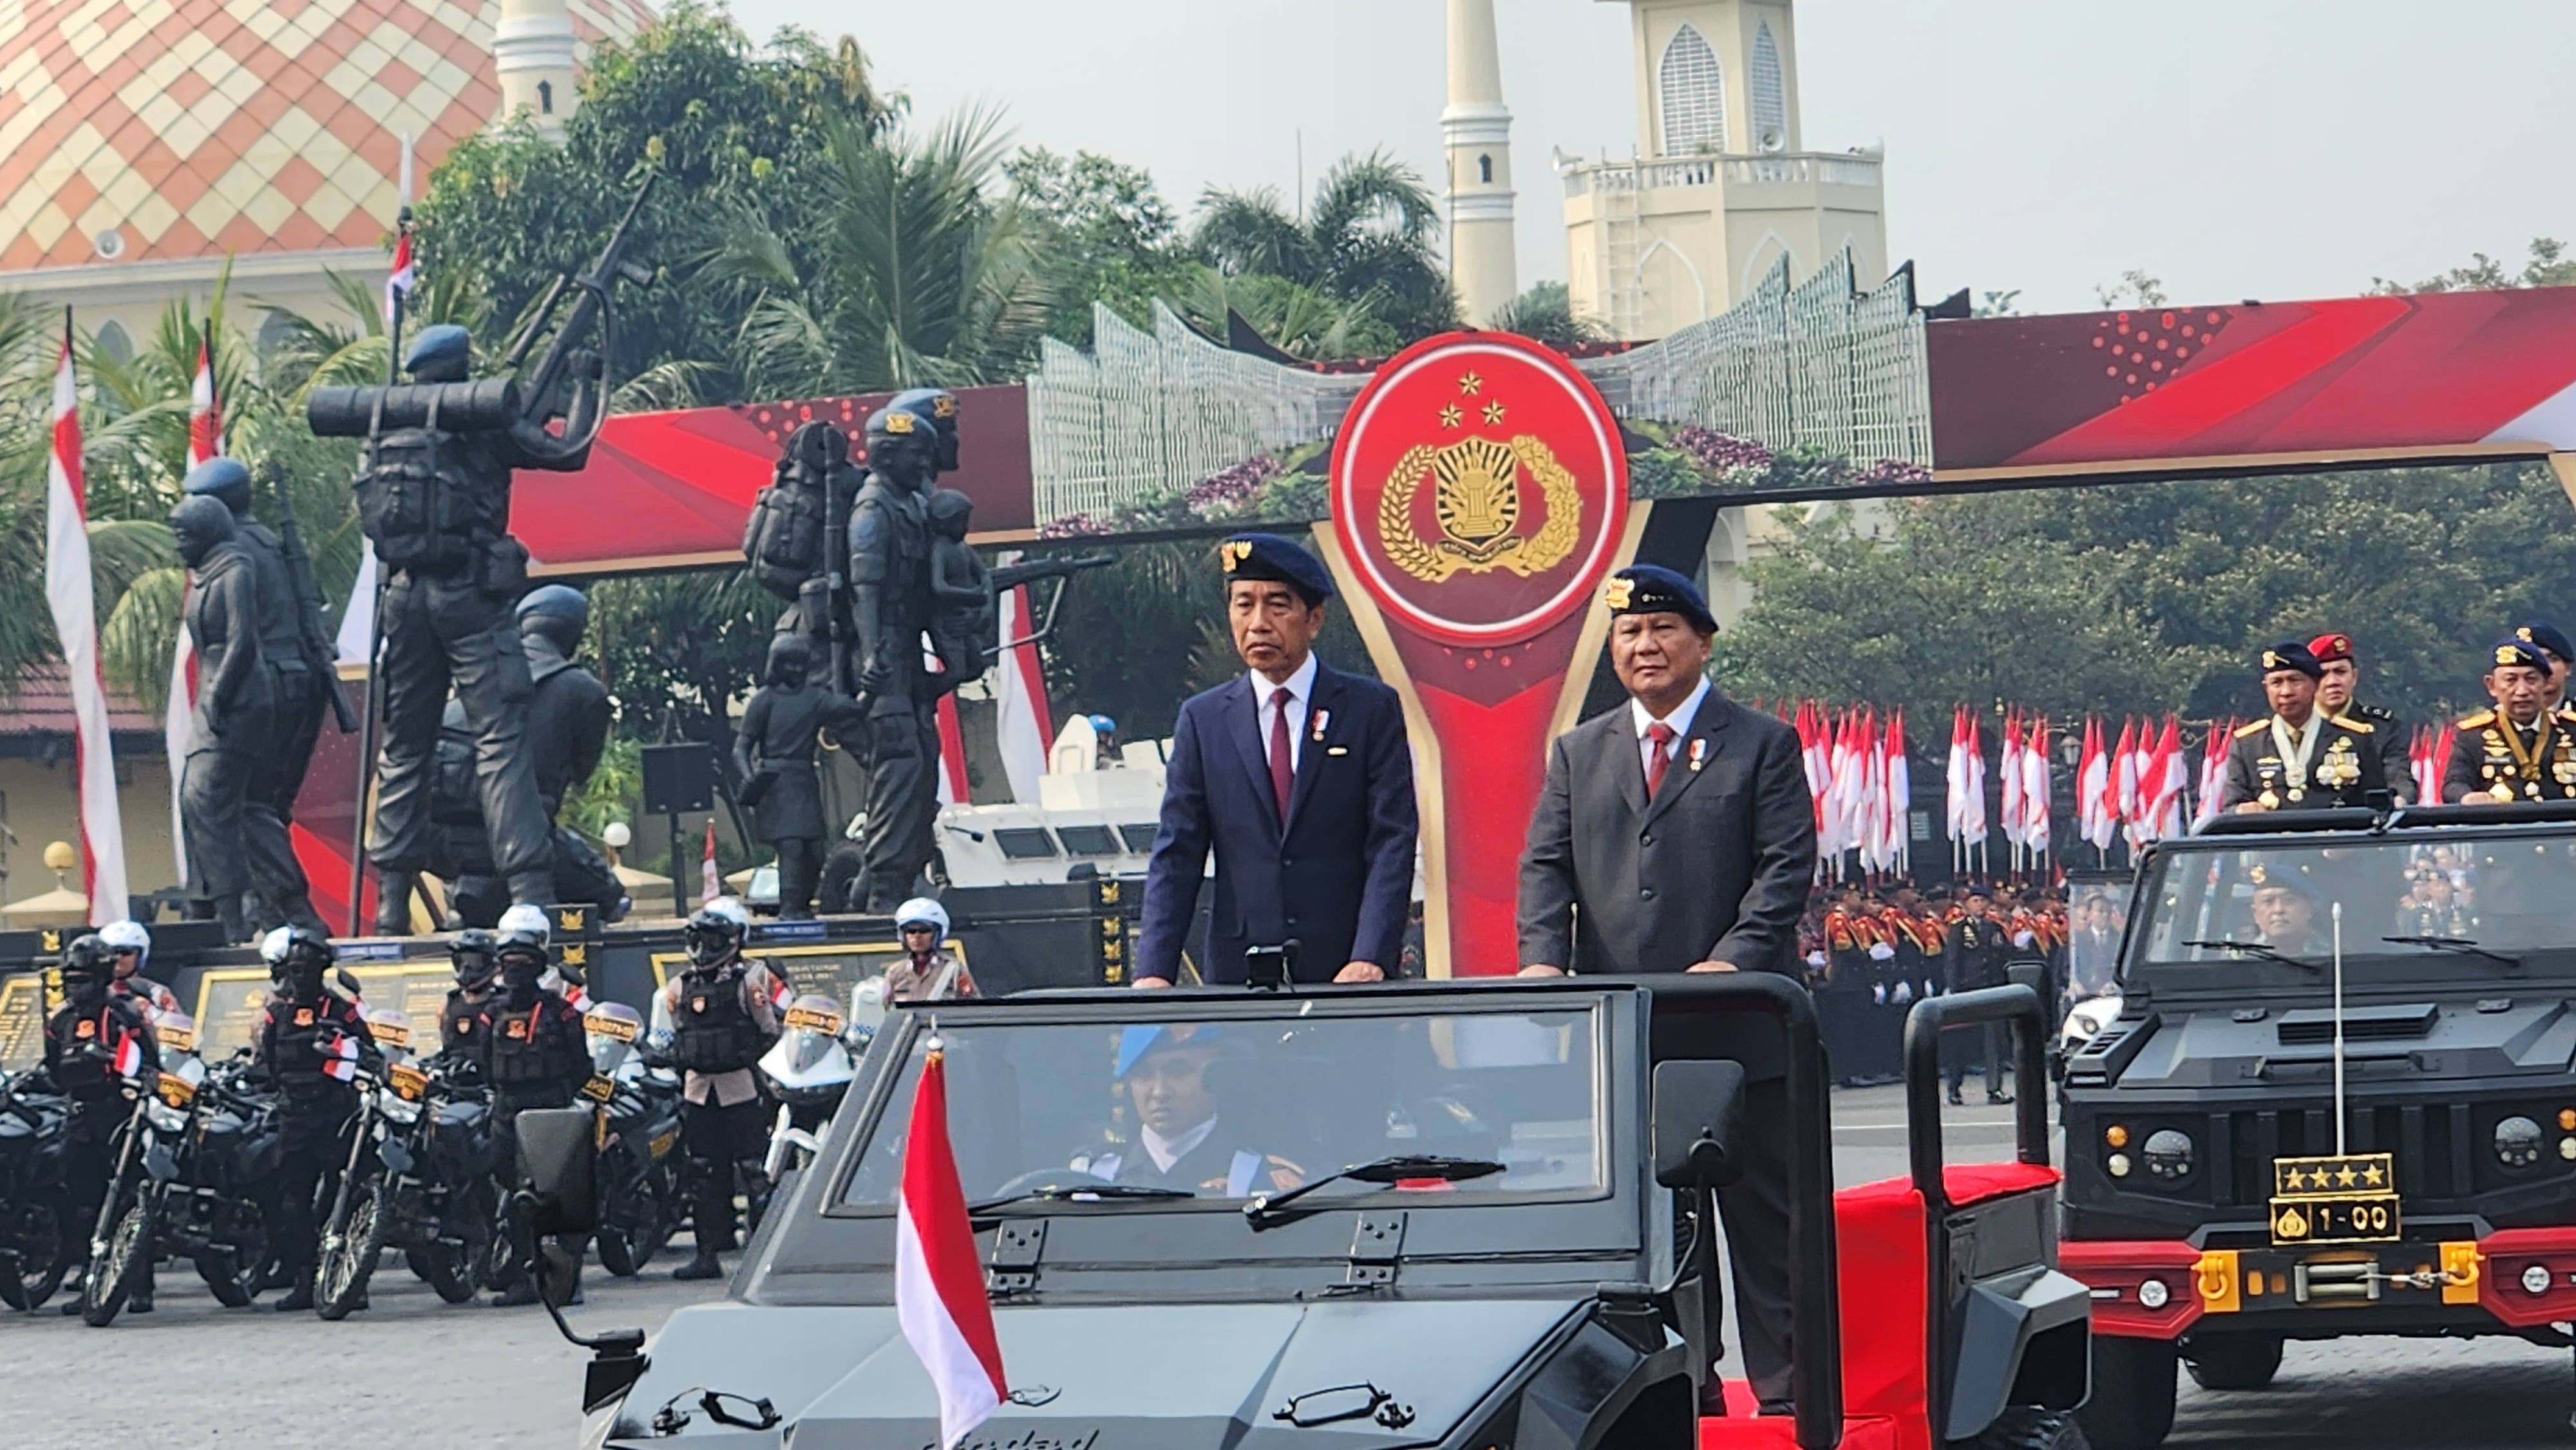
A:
[(2339, 1098)]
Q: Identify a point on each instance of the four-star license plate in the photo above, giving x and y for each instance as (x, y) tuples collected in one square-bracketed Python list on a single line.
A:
[(2341, 1200)]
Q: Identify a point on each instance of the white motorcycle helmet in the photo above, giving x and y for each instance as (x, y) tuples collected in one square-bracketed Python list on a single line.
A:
[(128, 936), (922, 909)]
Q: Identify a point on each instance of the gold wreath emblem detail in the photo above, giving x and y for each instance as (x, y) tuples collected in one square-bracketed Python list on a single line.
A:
[(1478, 504)]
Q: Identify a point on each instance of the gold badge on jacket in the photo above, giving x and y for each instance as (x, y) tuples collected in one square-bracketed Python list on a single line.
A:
[(2341, 766), (1477, 501)]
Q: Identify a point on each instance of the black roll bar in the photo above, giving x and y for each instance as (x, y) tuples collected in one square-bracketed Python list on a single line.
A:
[(1815, 1296)]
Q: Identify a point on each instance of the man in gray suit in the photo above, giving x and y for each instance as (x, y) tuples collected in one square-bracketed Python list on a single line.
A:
[(1676, 834)]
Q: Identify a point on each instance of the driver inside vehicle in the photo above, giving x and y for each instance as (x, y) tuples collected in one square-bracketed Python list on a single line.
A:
[(1174, 1075), (2285, 914)]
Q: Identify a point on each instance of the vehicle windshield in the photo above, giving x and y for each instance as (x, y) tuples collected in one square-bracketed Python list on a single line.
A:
[(2481, 903), (1225, 1109)]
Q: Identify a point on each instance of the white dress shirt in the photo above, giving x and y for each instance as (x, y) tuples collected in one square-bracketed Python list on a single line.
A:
[(1167, 1151), (1679, 722), (1301, 688)]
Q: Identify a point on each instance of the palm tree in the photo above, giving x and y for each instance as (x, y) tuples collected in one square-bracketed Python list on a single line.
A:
[(1370, 239), (1546, 312), (918, 274)]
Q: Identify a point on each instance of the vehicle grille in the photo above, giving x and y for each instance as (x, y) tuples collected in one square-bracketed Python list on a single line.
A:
[(2431, 1142), (2410, 1023)]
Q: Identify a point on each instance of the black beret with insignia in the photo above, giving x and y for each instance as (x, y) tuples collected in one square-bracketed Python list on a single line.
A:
[(1268, 556), (1654, 589), (2509, 652), (2289, 654), (2550, 640)]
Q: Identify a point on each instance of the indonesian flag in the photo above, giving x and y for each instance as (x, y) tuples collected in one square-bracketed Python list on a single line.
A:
[(1022, 724), (1844, 793), (938, 1276), (2163, 784), (2093, 817), (2035, 788), (340, 1060), (2213, 773), (398, 286), (75, 611), (1954, 775), (1870, 800), (129, 1054), (2010, 765), (1900, 795), (1816, 757), (952, 753), (2436, 762), (1972, 811), (205, 416), (710, 881)]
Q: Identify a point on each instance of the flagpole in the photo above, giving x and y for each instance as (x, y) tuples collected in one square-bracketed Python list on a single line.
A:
[(371, 710)]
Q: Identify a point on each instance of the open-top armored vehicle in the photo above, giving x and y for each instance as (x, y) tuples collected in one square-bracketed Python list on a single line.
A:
[(2417, 968), (1426, 1214)]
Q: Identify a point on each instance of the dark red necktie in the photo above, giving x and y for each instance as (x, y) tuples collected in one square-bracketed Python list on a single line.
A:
[(1659, 735), (1283, 775)]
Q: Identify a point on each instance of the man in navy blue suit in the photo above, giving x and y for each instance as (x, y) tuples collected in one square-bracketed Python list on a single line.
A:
[(1298, 777)]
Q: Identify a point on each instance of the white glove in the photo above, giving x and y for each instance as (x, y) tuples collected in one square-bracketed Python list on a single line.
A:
[(1882, 952), (1815, 959), (2023, 939), (1903, 994), (1878, 993)]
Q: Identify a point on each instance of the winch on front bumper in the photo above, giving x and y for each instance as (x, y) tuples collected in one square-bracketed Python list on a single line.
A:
[(2442, 1278)]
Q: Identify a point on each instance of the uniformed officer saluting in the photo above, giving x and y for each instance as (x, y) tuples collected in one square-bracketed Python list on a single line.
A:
[(1299, 779), (2300, 758), (2521, 750), (2339, 677)]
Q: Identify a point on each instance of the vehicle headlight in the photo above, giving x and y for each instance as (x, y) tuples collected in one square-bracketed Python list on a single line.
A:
[(2153, 1294), (2517, 1142), (2168, 1154), (2535, 1279), (2118, 1163), (2081, 1024)]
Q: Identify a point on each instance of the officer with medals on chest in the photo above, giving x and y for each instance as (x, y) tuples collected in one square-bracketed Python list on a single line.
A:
[(2522, 750), (2300, 757), (2338, 679)]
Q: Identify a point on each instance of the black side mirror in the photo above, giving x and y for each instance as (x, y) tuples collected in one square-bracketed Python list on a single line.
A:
[(2033, 975), (558, 1157), (1699, 1110)]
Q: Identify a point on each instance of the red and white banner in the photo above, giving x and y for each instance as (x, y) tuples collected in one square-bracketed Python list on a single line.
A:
[(399, 283), (2163, 786), (2014, 822), (1022, 724), (2213, 773), (2097, 815), (938, 1276), (952, 754), (710, 880), (340, 1060), (75, 611), (2035, 789), (1899, 837)]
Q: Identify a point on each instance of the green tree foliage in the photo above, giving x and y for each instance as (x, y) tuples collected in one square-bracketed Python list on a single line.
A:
[(2151, 597), (675, 649), (1546, 312), (1102, 233), (1370, 239), (2549, 265)]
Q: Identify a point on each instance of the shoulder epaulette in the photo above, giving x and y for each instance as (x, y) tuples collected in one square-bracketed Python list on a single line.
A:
[(2247, 732), (2346, 722), (2478, 721), (2374, 714)]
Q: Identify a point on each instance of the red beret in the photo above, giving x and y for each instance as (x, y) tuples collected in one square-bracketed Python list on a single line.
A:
[(2329, 648)]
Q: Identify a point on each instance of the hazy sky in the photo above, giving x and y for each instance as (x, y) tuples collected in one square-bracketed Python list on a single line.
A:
[(2254, 148)]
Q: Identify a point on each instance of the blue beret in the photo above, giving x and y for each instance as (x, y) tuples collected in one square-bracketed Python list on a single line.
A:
[(1136, 1041), (1268, 556), (216, 477), (560, 600), (891, 422), (935, 406), (2518, 652), (443, 343), (2289, 654), (2548, 637), (1654, 589)]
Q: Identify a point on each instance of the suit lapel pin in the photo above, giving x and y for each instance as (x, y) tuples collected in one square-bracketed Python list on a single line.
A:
[(1322, 719), (1699, 750)]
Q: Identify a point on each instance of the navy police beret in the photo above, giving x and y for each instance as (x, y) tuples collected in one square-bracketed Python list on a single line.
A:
[(217, 477), (560, 601), (1654, 589), (444, 344), (2289, 654), (898, 423), (1268, 556), (935, 406), (2509, 652), (2548, 637)]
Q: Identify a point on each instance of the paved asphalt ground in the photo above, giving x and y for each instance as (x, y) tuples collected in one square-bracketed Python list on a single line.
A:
[(412, 1372)]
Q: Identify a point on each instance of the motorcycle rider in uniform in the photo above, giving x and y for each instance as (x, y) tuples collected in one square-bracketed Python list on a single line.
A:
[(98, 1051), (472, 958), (721, 1022), (133, 947), (534, 1055), (313, 1043)]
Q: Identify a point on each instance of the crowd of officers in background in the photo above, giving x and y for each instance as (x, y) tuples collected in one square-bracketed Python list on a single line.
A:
[(1872, 953)]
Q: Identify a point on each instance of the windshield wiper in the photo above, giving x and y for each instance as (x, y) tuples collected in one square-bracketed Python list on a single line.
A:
[(1270, 1209), (2465, 946), (2265, 950), (1079, 1193)]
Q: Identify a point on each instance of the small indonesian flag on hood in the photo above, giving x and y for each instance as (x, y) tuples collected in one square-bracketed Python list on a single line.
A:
[(938, 1277)]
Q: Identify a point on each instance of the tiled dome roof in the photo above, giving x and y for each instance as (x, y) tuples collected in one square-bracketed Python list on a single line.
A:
[(138, 130)]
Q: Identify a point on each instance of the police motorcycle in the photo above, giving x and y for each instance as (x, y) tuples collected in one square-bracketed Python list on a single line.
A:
[(639, 1141), (418, 1178), (190, 1180), (35, 1251), (808, 1071)]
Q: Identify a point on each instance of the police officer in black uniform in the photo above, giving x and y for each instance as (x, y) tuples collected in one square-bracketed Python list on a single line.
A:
[(472, 959), (534, 1056), (98, 1053), (1972, 956), (2300, 757), (311, 1043), (436, 505), (2522, 749), (721, 1020)]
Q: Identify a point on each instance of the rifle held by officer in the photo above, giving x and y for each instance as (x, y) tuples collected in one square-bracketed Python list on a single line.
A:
[(319, 655)]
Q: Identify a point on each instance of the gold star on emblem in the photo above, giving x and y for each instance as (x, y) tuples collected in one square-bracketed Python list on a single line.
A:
[(2345, 1177), (2371, 1175), (1450, 417), (2298, 1180), (1470, 384), (1493, 412)]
